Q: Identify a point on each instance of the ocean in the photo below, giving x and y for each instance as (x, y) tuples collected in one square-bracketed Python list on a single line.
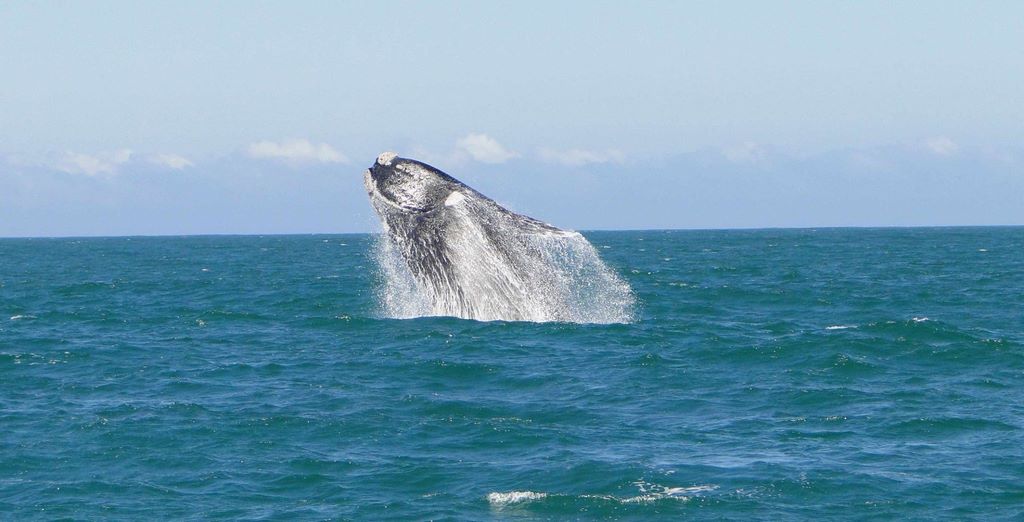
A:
[(853, 374)]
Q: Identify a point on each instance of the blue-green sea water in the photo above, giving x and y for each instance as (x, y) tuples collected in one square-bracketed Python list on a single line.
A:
[(864, 374)]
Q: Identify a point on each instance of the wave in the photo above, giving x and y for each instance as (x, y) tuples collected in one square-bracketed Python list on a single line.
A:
[(649, 493)]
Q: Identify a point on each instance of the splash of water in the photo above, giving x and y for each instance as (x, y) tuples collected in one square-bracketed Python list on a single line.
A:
[(541, 277)]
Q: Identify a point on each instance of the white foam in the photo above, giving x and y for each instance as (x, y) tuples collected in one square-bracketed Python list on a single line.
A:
[(513, 497), (654, 492), (920, 319), (399, 294), (648, 493), (647, 499), (20, 317), (839, 327)]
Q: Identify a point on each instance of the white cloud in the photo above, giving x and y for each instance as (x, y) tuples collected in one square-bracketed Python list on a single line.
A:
[(580, 157), (942, 146), (92, 165), (746, 152), (484, 148), (296, 151), (171, 161)]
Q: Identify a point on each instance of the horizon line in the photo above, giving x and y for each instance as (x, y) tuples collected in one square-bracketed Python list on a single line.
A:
[(692, 229)]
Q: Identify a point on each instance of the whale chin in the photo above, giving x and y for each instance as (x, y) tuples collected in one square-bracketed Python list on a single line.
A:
[(447, 250)]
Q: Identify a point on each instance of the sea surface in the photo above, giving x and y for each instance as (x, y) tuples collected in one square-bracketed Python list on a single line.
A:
[(852, 374)]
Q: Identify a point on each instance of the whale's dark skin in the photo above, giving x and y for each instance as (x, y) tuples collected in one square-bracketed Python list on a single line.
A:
[(434, 219)]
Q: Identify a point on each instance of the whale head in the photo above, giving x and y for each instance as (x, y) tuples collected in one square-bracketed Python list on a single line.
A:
[(404, 186)]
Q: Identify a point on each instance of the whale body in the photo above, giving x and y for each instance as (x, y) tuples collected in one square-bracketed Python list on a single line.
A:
[(448, 250)]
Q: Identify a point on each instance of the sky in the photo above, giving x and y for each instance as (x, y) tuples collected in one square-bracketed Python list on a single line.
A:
[(137, 118)]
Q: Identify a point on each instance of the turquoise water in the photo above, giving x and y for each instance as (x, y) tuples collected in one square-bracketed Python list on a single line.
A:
[(795, 374)]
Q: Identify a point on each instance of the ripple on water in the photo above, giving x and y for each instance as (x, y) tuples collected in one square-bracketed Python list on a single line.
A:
[(872, 373)]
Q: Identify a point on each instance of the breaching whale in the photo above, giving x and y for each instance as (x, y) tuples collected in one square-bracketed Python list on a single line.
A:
[(448, 250)]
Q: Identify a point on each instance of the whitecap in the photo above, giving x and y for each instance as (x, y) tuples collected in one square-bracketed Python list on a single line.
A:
[(649, 492), (657, 491), (20, 317), (920, 319), (645, 499), (513, 497), (654, 492), (839, 327)]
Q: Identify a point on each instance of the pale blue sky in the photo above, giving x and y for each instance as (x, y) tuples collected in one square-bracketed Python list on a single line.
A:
[(187, 117)]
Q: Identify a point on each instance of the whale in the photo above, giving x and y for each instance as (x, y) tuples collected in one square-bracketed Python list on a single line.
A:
[(448, 250)]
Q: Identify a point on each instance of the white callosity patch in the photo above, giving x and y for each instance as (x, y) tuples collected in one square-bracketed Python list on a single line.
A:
[(385, 158)]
